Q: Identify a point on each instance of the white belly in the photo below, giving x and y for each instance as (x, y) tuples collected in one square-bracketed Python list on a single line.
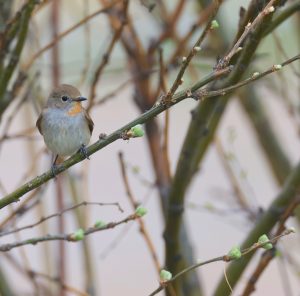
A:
[(63, 134)]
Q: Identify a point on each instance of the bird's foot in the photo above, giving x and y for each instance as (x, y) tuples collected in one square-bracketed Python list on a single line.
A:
[(54, 167), (83, 151), (53, 170)]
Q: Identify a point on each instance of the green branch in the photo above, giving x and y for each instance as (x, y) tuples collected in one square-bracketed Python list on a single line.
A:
[(101, 143), (234, 254), (277, 159), (202, 128)]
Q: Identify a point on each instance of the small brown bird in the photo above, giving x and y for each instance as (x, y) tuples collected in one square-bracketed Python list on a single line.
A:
[(64, 123)]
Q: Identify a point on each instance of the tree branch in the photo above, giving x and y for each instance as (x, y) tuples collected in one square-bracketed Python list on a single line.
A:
[(66, 237), (101, 143)]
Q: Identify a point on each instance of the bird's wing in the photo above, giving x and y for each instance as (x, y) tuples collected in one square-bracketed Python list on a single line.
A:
[(89, 120), (38, 123)]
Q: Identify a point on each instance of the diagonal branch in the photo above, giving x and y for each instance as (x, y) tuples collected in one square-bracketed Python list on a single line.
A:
[(119, 134), (71, 237), (101, 143)]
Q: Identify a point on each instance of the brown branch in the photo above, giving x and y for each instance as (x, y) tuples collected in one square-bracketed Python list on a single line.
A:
[(248, 29), (43, 219), (106, 58), (134, 204), (238, 192), (57, 280), (21, 209), (66, 32), (163, 87), (182, 42), (186, 61), (204, 93), (66, 237), (267, 256)]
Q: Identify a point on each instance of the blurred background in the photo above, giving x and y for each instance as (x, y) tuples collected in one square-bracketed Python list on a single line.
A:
[(123, 55)]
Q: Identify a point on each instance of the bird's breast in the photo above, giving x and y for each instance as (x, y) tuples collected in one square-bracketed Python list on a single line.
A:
[(77, 108)]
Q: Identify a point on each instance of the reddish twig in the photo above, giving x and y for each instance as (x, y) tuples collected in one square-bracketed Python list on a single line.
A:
[(267, 256), (134, 204), (105, 59), (186, 60), (66, 32)]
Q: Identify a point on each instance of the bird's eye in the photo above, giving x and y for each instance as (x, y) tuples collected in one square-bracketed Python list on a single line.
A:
[(64, 98)]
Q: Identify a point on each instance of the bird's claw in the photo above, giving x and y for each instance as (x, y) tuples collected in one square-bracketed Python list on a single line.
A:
[(84, 152), (53, 170)]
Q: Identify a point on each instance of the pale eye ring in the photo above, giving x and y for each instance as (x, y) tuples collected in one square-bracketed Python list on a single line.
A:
[(64, 98)]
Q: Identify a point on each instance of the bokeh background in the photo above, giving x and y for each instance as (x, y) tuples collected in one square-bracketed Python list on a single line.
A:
[(117, 261)]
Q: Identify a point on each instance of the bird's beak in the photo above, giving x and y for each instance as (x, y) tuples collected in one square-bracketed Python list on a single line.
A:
[(79, 99)]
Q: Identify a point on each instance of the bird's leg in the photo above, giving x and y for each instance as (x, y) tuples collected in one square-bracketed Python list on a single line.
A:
[(53, 167), (83, 151)]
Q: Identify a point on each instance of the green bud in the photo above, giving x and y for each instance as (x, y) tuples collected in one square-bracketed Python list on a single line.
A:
[(137, 131), (235, 253), (262, 240), (140, 211), (165, 275), (99, 224), (209, 206), (78, 235), (255, 74), (292, 229), (214, 24), (277, 67)]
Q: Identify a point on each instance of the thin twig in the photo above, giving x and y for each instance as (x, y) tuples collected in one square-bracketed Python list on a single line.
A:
[(185, 63), (238, 192), (66, 237), (57, 280), (43, 219), (203, 93), (104, 62), (225, 258), (270, 254), (66, 32), (133, 202), (118, 134), (22, 208), (248, 29)]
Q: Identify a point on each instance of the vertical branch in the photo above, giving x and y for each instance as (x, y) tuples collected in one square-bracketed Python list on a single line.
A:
[(163, 88), (82, 223), (106, 57), (7, 72), (134, 204), (205, 120)]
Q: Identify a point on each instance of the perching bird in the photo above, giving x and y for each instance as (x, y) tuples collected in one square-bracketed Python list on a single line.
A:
[(64, 123)]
